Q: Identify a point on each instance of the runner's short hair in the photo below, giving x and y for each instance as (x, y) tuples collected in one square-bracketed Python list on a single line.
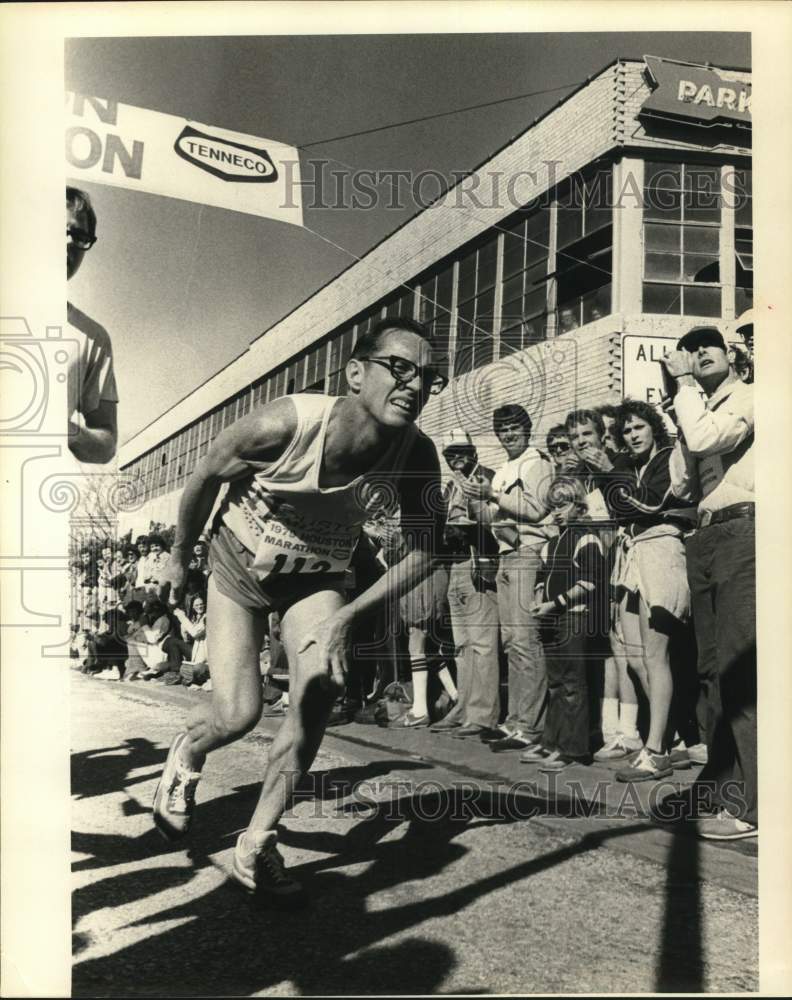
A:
[(81, 203), (370, 341)]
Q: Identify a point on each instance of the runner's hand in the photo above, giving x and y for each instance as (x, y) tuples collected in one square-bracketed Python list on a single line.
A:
[(332, 638), (171, 583)]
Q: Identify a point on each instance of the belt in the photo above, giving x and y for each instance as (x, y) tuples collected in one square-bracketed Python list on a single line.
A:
[(709, 517)]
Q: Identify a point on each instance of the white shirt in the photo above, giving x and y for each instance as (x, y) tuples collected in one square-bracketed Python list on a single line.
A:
[(714, 463), (530, 474)]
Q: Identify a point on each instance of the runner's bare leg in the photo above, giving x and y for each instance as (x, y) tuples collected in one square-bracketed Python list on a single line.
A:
[(234, 639), (311, 698)]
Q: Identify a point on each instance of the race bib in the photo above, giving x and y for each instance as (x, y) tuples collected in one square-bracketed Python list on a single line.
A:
[(293, 540)]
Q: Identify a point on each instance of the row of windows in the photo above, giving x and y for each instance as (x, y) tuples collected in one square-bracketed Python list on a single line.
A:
[(538, 273)]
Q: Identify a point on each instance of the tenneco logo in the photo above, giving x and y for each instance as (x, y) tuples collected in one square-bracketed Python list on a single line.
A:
[(230, 161)]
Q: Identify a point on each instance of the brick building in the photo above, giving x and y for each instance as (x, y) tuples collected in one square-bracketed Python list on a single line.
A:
[(553, 275)]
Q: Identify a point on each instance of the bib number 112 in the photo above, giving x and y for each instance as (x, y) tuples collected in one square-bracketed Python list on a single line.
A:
[(284, 563)]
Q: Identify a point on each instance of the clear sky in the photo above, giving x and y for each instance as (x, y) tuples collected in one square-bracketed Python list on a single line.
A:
[(183, 289)]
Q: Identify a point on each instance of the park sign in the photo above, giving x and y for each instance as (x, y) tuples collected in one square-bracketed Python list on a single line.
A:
[(144, 150), (696, 95)]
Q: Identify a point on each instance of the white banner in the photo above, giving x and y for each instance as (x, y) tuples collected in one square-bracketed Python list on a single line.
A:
[(112, 143)]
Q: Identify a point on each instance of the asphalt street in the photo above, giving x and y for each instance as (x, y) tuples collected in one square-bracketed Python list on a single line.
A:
[(422, 876)]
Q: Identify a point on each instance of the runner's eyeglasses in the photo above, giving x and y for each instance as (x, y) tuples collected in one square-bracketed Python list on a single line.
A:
[(404, 371), (79, 237)]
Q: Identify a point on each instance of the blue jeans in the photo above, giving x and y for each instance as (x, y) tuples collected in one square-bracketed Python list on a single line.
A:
[(474, 621), (520, 633)]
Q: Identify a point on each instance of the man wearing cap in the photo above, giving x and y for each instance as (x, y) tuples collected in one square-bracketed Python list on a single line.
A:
[(517, 503), (712, 463), (472, 597)]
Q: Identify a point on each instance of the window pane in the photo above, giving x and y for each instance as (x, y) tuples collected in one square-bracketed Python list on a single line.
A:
[(663, 265), (445, 281), (700, 267), (463, 359), (511, 339), (485, 307), (597, 304), (513, 252), (701, 239), (598, 200), (661, 299), (663, 204), (662, 237), (513, 288), (537, 237), (702, 301), (743, 299), (570, 225), (669, 175)]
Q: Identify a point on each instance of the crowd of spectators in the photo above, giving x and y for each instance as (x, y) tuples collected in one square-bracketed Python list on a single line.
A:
[(594, 602), (123, 626)]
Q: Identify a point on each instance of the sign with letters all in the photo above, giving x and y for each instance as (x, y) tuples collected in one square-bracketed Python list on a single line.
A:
[(697, 95), (125, 146)]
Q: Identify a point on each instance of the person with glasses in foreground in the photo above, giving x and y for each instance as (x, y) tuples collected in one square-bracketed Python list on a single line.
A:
[(91, 385), (304, 473)]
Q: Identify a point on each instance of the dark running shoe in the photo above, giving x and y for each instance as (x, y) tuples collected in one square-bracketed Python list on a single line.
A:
[(493, 735), (262, 871), (510, 743), (174, 799)]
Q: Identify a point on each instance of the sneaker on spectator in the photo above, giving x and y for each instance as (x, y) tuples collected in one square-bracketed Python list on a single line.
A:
[(466, 732), (617, 747), (262, 871), (698, 753), (680, 758), (174, 798), (647, 766), (560, 761), (207, 685), (445, 725), (492, 735), (410, 721), (515, 741), (273, 709), (537, 755), (724, 826)]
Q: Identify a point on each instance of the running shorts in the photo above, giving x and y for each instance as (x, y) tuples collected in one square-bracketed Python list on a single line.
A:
[(230, 562)]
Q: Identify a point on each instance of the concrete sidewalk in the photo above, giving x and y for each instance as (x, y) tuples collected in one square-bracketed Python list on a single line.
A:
[(583, 801)]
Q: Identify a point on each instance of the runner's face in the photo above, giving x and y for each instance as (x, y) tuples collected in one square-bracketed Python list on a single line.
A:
[(514, 439), (395, 404), (638, 436)]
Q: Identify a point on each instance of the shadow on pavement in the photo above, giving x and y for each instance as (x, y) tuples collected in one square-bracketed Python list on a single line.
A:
[(231, 944)]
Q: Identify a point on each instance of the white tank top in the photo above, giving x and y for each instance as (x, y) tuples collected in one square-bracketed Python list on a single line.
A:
[(290, 523)]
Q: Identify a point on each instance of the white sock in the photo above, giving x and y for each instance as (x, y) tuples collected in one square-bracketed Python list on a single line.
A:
[(419, 678), (610, 717), (628, 719)]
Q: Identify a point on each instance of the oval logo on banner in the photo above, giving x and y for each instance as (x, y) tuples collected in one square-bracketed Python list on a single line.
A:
[(230, 161)]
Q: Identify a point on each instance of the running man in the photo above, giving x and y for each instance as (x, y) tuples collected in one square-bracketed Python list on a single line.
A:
[(305, 472)]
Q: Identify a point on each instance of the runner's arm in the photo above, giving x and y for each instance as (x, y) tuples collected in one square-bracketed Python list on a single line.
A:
[(259, 437)]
